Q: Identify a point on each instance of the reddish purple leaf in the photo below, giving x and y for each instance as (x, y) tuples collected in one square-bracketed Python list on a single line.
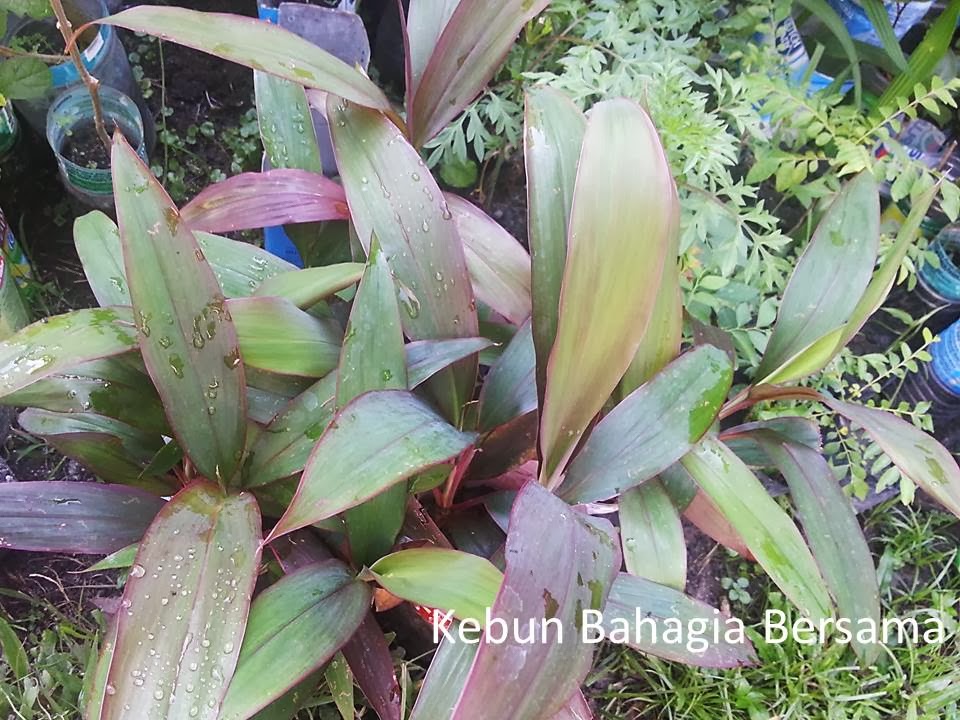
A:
[(256, 200), (73, 517), (560, 564), (468, 51), (368, 655)]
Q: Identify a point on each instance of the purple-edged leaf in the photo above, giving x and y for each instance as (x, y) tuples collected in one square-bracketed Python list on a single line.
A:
[(659, 606), (256, 44), (576, 709), (560, 564), (834, 535), (368, 655), (55, 345), (114, 451), (187, 339), (425, 358), (73, 517), (117, 387), (426, 20), (827, 284), (469, 50), (295, 626), (305, 288), (917, 455), (743, 439), (393, 196), (765, 528), (510, 388), (239, 266), (95, 679), (445, 678), (651, 428), (553, 136), (184, 608), (367, 651), (283, 447), (277, 336), (373, 358), (499, 266), (624, 217), (661, 342), (256, 200), (286, 125), (98, 244), (450, 580), (378, 440), (652, 535)]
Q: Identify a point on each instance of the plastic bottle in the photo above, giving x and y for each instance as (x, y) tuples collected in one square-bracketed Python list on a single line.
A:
[(797, 59), (903, 16), (938, 381), (13, 313), (105, 58), (9, 130), (17, 262)]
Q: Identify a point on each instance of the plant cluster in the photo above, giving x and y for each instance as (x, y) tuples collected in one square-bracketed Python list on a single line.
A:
[(284, 451)]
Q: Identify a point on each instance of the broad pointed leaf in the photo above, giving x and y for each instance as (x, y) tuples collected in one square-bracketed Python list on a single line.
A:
[(118, 560), (305, 288), (295, 626), (425, 358), (651, 428), (633, 597), (393, 196), (445, 679), (275, 335), (652, 535), (829, 279), (917, 455), (54, 345), (510, 389), (833, 533), (187, 339), (256, 200), (255, 44), (98, 244), (114, 451), (661, 342), (426, 20), (287, 129), (470, 48), (283, 447), (560, 564), (624, 216), (378, 440), (73, 517), (373, 359), (239, 267), (450, 580), (184, 608), (767, 530), (499, 266), (117, 387), (553, 136), (368, 655)]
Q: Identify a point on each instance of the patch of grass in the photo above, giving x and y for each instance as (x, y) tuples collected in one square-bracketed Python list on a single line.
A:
[(917, 569), (44, 651)]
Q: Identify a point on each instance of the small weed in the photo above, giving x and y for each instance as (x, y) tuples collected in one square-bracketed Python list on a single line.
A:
[(917, 569)]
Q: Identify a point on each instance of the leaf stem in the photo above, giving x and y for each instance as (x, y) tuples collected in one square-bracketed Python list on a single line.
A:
[(91, 83)]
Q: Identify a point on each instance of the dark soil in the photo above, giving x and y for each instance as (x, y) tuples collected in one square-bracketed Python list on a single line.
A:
[(83, 147)]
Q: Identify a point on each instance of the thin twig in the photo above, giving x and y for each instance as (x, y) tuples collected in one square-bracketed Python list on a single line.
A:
[(9, 52), (92, 84)]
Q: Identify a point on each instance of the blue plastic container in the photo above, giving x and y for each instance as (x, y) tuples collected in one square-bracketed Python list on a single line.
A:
[(275, 240), (945, 365)]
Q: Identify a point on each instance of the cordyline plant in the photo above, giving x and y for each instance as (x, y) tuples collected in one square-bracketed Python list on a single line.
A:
[(219, 391)]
